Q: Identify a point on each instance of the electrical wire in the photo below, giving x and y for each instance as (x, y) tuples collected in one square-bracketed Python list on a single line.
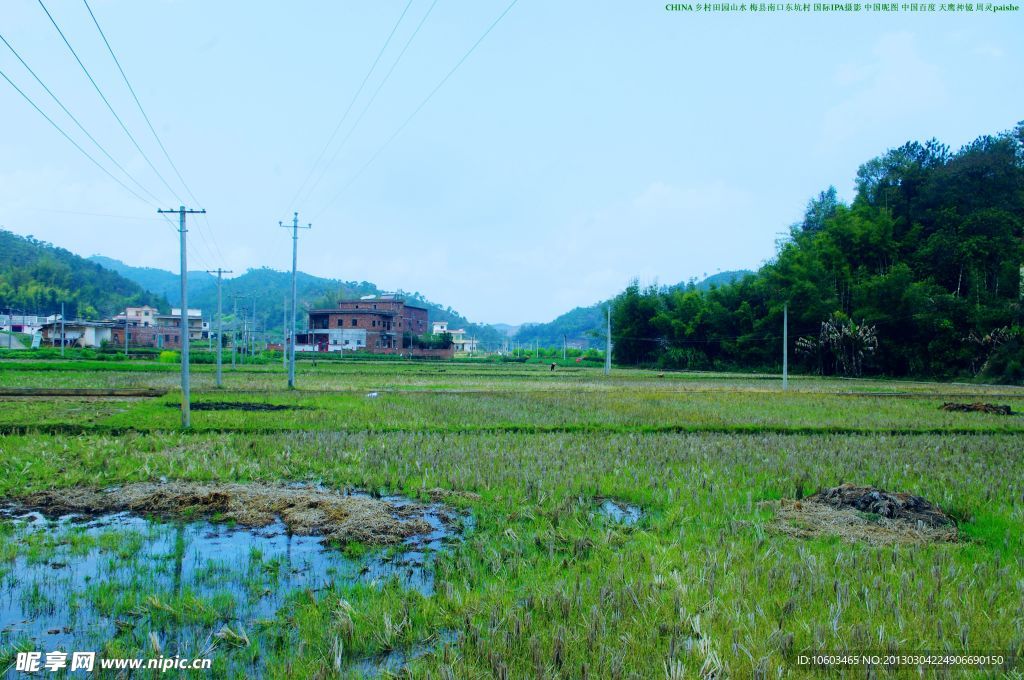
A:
[(76, 121), (74, 143), (159, 142), (107, 102), (372, 98), (89, 156), (419, 108), (355, 96)]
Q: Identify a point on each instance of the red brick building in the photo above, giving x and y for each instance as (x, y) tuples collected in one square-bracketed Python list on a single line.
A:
[(379, 324), (160, 337)]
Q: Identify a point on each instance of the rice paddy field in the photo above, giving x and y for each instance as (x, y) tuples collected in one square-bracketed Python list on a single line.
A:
[(637, 525)]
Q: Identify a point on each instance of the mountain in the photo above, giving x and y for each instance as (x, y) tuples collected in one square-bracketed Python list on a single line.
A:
[(585, 326), (159, 281), (580, 327), (36, 277), (507, 330), (716, 280), (271, 290)]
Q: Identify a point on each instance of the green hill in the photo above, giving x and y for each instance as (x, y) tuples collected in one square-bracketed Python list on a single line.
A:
[(920, 275), (584, 326), (36, 277), (271, 289), (159, 281)]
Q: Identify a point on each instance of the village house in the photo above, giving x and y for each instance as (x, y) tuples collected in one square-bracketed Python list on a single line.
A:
[(146, 327), (460, 342), (197, 328), (384, 324), (76, 333), (138, 316)]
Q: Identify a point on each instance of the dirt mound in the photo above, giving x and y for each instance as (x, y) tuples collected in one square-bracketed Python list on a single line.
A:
[(237, 406), (865, 514), (978, 407), (901, 506), (306, 511)]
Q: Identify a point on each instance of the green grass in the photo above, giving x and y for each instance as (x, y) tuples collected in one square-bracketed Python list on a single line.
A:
[(543, 586)]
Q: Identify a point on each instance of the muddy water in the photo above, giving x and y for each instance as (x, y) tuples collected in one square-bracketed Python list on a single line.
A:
[(77, 583)]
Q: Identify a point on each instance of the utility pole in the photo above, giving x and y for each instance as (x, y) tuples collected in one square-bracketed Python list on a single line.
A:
[(126, 333), (564, 343), (185, 387), (220, 321), (234, 330), (284, 335), (235, 340), (608, 345), (252, 351), (785, 347), (62, 330), (295, 303)]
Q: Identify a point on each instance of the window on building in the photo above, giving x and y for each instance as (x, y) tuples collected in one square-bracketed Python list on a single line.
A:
[(353, 322), (340, 324)]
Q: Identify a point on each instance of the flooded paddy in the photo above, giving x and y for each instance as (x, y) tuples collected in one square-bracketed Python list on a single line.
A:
[(119, 582)]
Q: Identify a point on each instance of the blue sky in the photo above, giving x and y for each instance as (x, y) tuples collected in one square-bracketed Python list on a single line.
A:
[(580, 145)]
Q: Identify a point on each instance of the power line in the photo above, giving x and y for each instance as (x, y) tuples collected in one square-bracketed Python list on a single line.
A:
[(355, 96), (76, 121), (372, 98), (85, 153), (418, 108), (73, 142), (159, 142), (107, 102)]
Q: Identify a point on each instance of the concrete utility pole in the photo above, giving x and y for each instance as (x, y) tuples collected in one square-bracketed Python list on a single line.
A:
[(785, 347), (295, 302), (220, 321), (125, 332), (185, 387), (564, 343), (608, 345), (62, 330), (284, 335), (235, 340), (234, 329), (252, 348)]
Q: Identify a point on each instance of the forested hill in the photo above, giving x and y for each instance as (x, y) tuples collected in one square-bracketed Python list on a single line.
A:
[(159, 281), (36, 277), (920, 275), (270, 289), (585, 326)]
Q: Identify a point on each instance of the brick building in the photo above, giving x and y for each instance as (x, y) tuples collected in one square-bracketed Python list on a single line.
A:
[(148, 328), (159, 337), (381, 324)]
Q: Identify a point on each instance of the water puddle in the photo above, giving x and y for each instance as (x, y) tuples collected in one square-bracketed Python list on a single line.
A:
[(108, 582), (620, 512)]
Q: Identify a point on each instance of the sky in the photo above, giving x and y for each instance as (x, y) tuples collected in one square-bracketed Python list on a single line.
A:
[(579, 144)]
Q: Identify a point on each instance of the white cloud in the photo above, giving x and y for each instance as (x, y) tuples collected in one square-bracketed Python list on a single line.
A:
[(891, 84)]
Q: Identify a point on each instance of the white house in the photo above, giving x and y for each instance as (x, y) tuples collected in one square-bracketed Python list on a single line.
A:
[(77, 333), (459, 339)]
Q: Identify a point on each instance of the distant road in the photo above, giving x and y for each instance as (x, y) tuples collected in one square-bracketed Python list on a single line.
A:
[(15, 343)]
